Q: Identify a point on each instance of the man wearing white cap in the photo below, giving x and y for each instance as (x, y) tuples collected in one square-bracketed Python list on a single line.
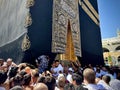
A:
[(69, 76)]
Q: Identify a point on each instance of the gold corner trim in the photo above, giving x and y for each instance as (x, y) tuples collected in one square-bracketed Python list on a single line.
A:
[(28, 20), (80, 2), (26, 43), (30, 3)]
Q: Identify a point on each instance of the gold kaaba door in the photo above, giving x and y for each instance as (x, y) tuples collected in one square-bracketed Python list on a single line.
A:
[(69, 52)]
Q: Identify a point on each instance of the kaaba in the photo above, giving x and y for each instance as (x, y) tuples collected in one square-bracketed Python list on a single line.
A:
[(62, 29), (90, 33)]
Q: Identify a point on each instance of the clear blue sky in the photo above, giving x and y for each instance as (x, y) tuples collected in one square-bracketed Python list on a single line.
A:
[(109, 13)]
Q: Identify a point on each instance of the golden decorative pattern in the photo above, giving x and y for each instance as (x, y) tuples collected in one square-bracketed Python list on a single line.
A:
[(30, 3), (28, 20), (70, 52), (64, 10), (80, 2), (26, 43), (89, 13), (91, 8)]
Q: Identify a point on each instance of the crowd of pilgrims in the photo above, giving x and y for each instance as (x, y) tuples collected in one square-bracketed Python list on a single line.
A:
[(73, 76)]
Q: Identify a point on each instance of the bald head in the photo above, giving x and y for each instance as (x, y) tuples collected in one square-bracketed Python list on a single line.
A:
[(9, 61), (40, 86)]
